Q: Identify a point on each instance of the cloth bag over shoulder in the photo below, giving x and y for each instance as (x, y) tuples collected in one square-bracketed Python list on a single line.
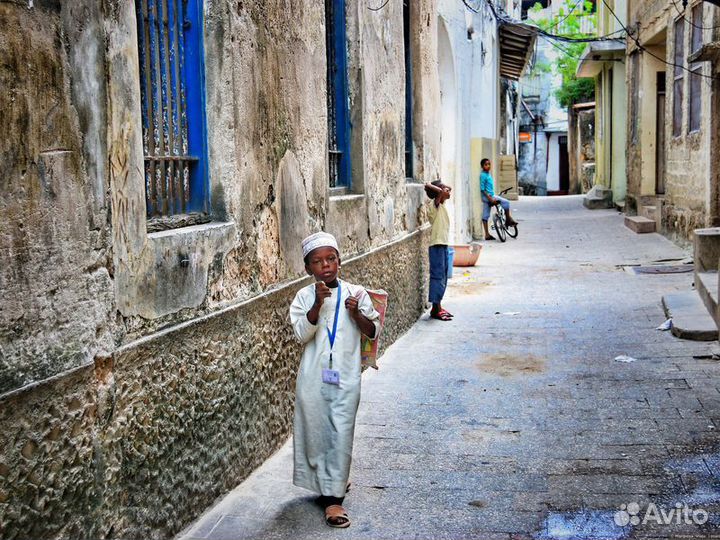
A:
[(369, 347)]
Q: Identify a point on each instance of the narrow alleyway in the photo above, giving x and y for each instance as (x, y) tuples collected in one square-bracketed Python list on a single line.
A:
[(514, 420)]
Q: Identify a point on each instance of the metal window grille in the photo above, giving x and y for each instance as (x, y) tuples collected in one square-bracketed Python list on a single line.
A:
[(337, 94), (335, 154), (678, 78), (169, 47), (409, 173), (695, 77)]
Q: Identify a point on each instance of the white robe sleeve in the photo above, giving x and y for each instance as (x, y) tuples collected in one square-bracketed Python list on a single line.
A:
[(365, 306), (304, 329)]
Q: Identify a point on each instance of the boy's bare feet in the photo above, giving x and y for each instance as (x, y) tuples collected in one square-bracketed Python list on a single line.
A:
[(489, 237)]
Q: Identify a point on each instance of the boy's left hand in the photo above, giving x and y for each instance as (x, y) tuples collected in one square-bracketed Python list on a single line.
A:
[(352, 304)]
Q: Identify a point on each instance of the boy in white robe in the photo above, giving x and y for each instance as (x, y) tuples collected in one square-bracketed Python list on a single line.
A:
[(328, 318)]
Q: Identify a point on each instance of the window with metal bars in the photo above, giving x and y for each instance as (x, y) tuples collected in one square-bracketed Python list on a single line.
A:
[(337, 94), (172, 91), (409, 172), (696, 42), (678, 75)]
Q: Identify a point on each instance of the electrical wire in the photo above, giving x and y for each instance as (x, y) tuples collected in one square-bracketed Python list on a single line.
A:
[(579, 58), (504, 18), (639, 46), (470, 7), (565, 18), (561, 49), (379, 8), (682, 14)]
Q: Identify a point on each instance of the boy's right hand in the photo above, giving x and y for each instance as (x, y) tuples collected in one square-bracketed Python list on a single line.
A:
[(322, 292)]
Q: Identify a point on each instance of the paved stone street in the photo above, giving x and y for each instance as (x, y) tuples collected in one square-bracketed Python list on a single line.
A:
[(515, 420)]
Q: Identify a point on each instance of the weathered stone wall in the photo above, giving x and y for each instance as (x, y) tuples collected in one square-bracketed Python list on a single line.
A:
[(581, 124), (135, 389), (688, 162), (81, 274), (56, 310), (633, 157), (139, 444), (687, 178)]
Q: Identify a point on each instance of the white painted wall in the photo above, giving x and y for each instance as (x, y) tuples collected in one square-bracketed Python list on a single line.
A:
[(469, 85), (553, 164), (449, 158)]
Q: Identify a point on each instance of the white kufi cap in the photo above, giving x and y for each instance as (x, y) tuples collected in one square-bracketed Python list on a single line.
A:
[(318, 240)]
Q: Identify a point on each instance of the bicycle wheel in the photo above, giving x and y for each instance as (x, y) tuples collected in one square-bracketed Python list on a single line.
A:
[(499, 223), (512, 231)]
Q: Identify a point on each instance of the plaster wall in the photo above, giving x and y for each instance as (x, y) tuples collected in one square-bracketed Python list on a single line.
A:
[(648, 109), (582, 168), (468, 65), (140, 442), (618, 123), (538, 91), (553, 163), (603, 94), (610, 144), (532, 160), (116, 367), (688, 171), (56, 270), (81, 274)]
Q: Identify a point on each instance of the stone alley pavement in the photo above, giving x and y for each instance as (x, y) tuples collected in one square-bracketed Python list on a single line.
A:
[(515, 420)]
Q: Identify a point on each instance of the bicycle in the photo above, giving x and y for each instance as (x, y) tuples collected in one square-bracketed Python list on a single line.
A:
[(499, 221)]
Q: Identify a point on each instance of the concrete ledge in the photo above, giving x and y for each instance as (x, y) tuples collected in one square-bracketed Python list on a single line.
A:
[(690, 318), (640, 224), (706, 284), (598, 197), (706, 243), (128, 433)]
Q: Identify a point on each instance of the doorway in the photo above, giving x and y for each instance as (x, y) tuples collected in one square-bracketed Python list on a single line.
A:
[(660, 135), (564, 170), (449, 128)]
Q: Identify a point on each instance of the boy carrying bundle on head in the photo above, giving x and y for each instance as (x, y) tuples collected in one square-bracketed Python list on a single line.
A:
[(328, 318), (438, 251)]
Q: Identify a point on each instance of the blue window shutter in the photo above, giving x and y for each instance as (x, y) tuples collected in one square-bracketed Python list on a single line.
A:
[(195, 77), (338, 96), (172, 88)]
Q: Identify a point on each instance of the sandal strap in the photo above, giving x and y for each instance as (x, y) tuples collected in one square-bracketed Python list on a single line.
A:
[(334, 511), (336, 516)]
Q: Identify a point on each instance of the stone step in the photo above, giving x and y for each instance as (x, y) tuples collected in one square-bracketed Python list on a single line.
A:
[(706, 284), (690, 318), (640, 224), (598, 197), (649, 212)]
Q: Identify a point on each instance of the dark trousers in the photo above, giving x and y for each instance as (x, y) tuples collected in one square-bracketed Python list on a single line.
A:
[(438, 273)]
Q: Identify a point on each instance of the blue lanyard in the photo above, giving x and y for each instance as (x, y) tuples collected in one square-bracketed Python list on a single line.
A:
[(331, 335)]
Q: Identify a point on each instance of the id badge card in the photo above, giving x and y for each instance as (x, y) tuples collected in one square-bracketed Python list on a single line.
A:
[(331, 376)]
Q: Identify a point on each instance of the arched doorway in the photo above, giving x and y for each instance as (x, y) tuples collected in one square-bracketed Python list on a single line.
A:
[(448, 121)]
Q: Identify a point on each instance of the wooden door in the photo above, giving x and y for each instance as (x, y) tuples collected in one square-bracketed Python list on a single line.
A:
[(660, 136)]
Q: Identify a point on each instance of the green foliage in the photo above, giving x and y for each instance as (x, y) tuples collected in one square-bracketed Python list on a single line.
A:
[(568, 22), (575, 91)]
